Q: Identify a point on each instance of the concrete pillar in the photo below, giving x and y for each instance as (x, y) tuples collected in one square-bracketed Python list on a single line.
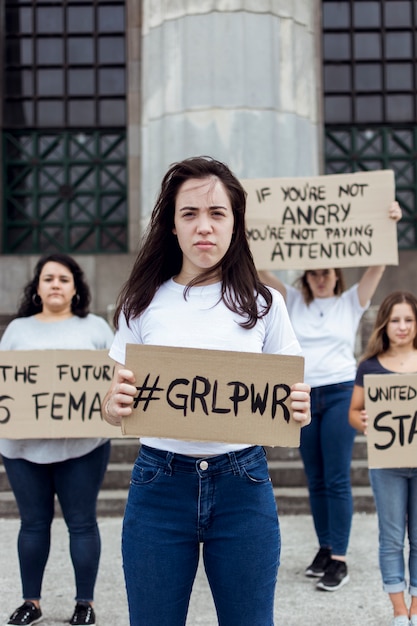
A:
[(238, 80), (2, 45), (133, 108)]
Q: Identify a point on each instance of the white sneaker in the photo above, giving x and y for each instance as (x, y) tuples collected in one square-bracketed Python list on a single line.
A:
[(401, 620)]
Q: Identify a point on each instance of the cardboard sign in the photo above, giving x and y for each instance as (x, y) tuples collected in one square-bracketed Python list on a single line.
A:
[(322, 222), (54, 394), (213, 395), (391, 404)]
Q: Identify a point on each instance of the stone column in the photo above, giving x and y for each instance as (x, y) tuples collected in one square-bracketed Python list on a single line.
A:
[(238, 80), (2, 44), (133, 107)]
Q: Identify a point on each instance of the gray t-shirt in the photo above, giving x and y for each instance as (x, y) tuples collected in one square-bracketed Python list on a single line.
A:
[(75, 333)]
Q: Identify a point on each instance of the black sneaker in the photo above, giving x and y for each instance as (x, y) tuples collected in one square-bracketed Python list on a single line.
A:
[(319, 564), (28, 613), (335, 576), (83, 615)]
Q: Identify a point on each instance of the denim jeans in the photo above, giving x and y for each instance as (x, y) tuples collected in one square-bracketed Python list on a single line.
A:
[(226, 503), (76, 483), (326, 449), (395, 493)]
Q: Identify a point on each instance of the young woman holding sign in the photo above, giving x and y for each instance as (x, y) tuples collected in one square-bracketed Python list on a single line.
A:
[(392, 348), (325, 318), (194, 285), (53, 314)]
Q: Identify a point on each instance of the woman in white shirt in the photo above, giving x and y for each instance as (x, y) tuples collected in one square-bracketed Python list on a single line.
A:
[(194, 285), (325, 317)]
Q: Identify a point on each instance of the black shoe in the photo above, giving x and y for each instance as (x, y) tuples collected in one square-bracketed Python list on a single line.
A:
[(28, 613), (335, 576), (319, 564), (83, 615)]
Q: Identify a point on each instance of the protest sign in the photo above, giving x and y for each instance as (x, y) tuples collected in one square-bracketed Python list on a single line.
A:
[(338, 220), (54, 393), (213, 395), (391, 404)]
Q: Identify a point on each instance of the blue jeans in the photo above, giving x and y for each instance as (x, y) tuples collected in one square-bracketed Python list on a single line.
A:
[(326, 449), (226, 503), (76, 482), (395, 493)]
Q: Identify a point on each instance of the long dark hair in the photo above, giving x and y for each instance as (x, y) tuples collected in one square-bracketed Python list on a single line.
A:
[(160, 256), (304, 287), (30, 304), (378, 341)]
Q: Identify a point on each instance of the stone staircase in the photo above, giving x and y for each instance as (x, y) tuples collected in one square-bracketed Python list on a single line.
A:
[(285, 466), (286, 471), (290, 486)]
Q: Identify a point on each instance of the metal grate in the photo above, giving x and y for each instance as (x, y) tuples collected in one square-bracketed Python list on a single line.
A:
[(370, 95), (352, 149), (65, 192), (64, 117)]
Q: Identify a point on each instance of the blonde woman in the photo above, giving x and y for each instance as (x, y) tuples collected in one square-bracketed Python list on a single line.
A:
[(392, 348)]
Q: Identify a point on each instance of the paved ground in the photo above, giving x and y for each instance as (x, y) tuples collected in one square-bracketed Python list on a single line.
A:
[(360, 603)]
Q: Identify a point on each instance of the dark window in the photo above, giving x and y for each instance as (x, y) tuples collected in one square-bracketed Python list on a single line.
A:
[(54, 43), (378, 41), (64, 118), (370, 95), (365, 15)]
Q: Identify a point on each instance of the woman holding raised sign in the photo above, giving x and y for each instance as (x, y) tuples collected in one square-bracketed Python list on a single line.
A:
[(325, 318), (53, 314), (392, 348), (194, 285)]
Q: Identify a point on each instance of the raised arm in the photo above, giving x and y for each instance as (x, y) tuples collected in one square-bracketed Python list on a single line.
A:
[(268, 278), (372, 276)]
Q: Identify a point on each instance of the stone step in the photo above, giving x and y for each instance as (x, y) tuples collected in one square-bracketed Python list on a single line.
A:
[(117, 477), (280, 454), (110, 503), (283, 473), (285, 467), (124, 450), (294, 500), (290, 501), (291, 473)]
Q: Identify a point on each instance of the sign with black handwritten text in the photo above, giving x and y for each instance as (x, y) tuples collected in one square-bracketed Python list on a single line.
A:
[(213, 395), (391, 404), (47, 394), (337, 220)]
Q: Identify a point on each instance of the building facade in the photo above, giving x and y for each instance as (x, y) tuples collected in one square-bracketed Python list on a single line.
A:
[(101, 96)]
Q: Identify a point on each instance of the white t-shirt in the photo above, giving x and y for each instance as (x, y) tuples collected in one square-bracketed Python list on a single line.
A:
[(326, 330), (201, 320)]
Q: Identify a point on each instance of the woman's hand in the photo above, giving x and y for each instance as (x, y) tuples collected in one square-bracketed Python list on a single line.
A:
[(300, 403), (358, 418), (363, 417), (118, 402), (395, 212)]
